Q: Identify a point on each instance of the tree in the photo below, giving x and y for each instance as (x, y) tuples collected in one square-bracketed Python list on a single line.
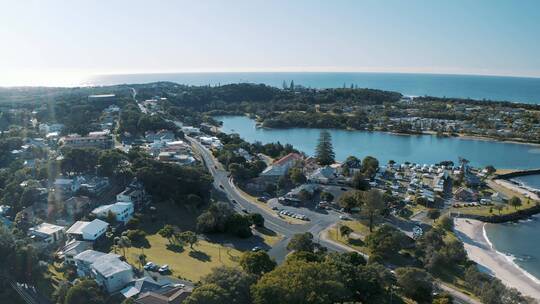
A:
[(327, 196), (499, 208), (239, 225), (111, 217), (257, 219), (123, 242), (433, 214), (299, 282), (446, 223), (415, 283), (373, 206), (301, 242), (350, 199), (189, 237), (515, 202), (297, 176), (208, 294), (257, 263), (167, 232), (142, 259), (370, 166), (86, 291), (236, 282), (386, 241), (360, 182), (345, 231), (324, 152)]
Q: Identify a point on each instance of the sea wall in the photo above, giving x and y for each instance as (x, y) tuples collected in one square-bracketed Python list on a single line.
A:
[(517, 173), (511, 217)]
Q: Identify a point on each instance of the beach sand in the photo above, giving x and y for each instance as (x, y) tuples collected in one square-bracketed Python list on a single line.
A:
[(525, 192), (471, 232)]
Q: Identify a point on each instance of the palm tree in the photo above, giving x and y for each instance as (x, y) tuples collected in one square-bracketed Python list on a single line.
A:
[(142, 259), (124, 243)]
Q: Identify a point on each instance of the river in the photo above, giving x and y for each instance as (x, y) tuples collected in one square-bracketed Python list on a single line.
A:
[(423, 149)]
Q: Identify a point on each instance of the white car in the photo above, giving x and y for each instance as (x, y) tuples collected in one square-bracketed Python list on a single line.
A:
[(163, 269)]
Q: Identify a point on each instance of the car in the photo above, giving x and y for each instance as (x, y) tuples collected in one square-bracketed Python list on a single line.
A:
[(343, 189), (274, 208), (221, 186), (234, 201), (343, 217), (256, 248), (215, 167), (164, 269), (150, 266), (245, 210)]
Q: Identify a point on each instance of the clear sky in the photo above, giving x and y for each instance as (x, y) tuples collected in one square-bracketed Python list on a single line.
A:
[(439, 36)]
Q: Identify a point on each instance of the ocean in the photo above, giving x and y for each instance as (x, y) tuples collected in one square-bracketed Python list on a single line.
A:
[(515, 89)]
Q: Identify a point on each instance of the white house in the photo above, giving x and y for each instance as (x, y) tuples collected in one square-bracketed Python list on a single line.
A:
[(323, 175), (134, 193), (71, 249), (280, 167), (123, 211), (87, 231), (106, 268), (46, 233), (68, 184)]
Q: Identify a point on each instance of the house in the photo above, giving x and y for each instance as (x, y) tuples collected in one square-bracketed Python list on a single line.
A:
[(170, 295), (324, 175), (159, 136), (68, 185), (97, 140), (465, 194), (95, 185), (46, 233), (142, 285), (106, 268), (73, 248), (280, 167), (46, 128), (76, 205), (123, 211), (87, 231), (134, 193)]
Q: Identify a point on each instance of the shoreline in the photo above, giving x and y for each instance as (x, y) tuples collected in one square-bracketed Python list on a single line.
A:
[(431, 133), (480, 250)]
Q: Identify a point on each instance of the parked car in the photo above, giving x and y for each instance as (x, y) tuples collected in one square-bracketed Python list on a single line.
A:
[(150, 266), (256, 248), (343, 217), (164, 269)]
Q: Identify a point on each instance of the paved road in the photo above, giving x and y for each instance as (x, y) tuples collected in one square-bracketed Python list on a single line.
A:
[(318, 223)]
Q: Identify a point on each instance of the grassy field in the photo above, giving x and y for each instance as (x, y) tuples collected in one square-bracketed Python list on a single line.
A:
[(187, 263), (359, 229), (211, 251)]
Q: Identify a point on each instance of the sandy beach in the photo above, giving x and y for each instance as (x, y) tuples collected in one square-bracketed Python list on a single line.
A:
[(523, 191), (479, 250)]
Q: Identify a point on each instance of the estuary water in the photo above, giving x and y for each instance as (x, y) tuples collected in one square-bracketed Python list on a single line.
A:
[(422, 149)]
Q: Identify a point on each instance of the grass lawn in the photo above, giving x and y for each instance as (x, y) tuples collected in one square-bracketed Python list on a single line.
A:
[(215, 250), (353, 242), (187, 263)]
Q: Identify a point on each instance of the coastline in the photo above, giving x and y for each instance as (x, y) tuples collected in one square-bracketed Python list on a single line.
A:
[(480, 250)]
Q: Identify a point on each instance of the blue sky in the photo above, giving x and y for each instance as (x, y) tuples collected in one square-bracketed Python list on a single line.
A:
[(479, 37)]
